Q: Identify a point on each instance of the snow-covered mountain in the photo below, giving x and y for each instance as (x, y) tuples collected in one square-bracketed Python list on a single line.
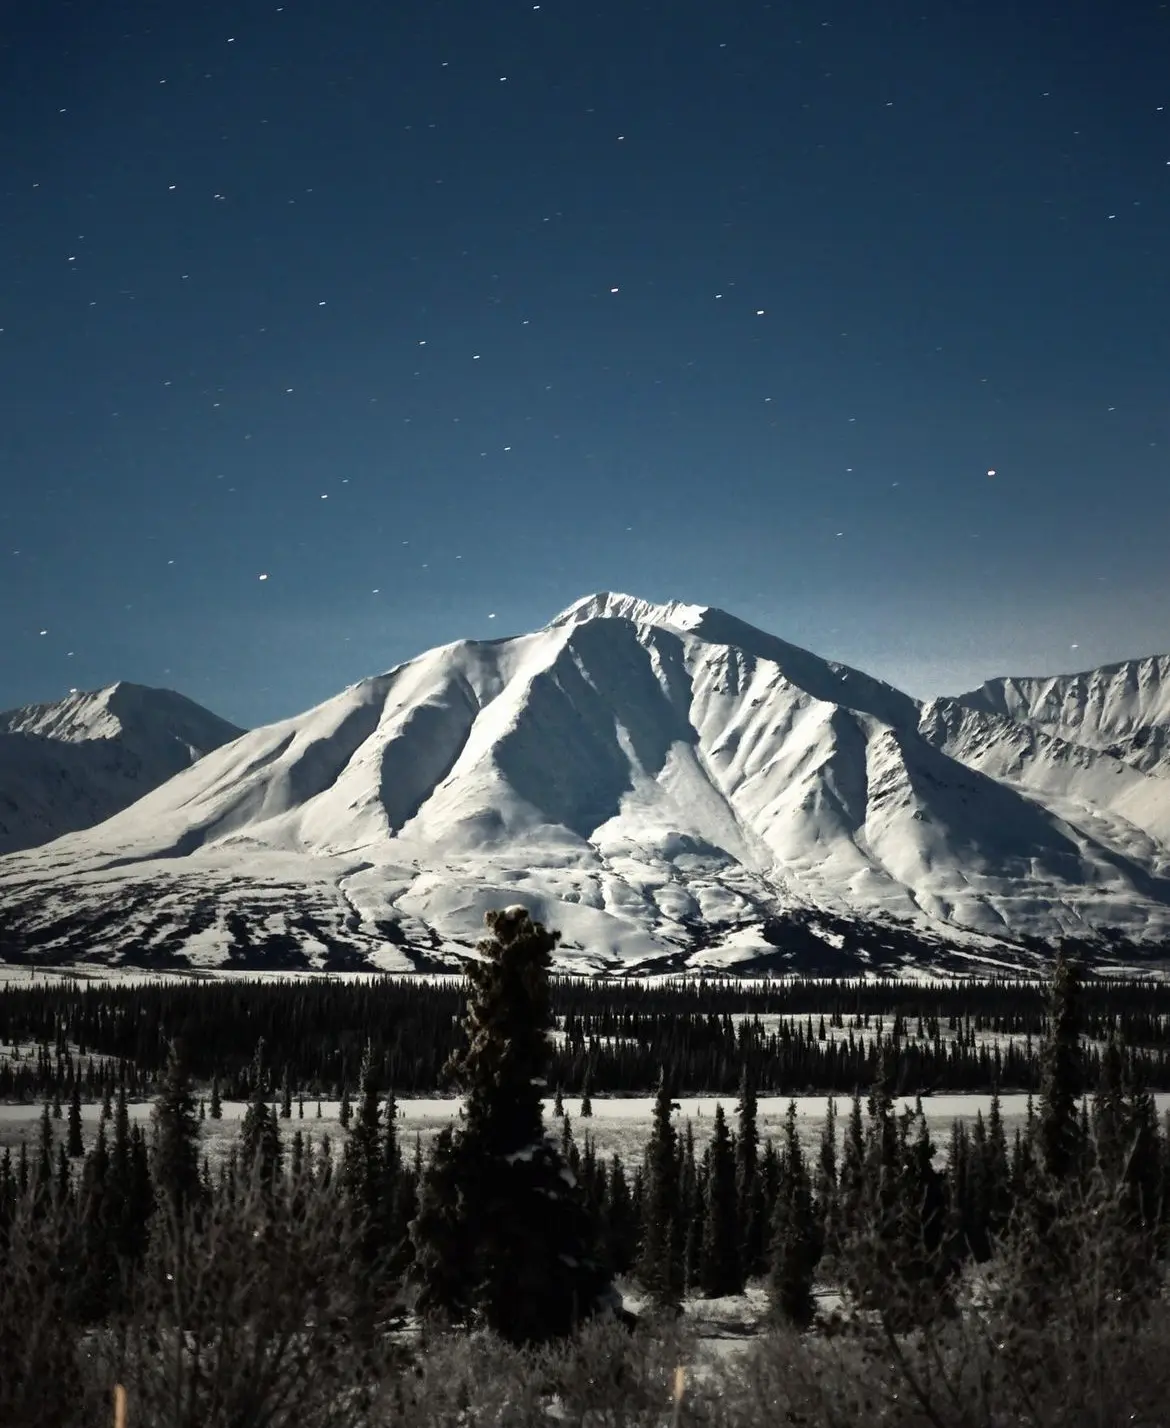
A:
[(664, 783), (70, 764), (1122, 708)]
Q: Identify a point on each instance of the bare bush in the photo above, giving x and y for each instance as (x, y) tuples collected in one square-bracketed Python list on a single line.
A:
[(245, 1317), (603, 1377), (42, 1382)]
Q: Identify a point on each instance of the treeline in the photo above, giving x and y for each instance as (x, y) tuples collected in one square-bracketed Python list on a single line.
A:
[(790, 1037), (272, 1287)]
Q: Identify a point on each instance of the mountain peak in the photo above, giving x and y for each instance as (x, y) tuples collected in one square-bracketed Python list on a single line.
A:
[(68, 764), (659, 781), (612, 605)]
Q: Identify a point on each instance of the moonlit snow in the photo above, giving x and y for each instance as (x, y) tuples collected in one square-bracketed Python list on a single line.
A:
[(68, 765), (653, 780)]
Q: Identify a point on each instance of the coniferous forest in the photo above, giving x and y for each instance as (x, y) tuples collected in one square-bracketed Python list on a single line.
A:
[(1001, 1278), (791, 1037)]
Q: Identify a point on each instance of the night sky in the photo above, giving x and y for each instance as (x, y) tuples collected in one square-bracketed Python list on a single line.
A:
[(333, 331)]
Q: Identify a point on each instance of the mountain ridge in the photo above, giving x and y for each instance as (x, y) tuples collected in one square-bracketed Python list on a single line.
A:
[(661, 782), (68, 764)]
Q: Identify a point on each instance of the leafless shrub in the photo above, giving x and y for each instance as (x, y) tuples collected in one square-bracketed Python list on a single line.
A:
[(604, 1377), (42, 1383), (244, 1318)]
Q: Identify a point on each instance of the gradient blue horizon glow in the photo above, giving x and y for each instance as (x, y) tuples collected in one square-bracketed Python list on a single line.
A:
[(441, 315)]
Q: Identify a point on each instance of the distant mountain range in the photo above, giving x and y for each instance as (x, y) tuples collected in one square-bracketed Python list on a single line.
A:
[(71, 764), (667, 785)]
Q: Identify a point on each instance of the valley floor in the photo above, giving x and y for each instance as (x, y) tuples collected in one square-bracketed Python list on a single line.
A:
[(618, 1124)]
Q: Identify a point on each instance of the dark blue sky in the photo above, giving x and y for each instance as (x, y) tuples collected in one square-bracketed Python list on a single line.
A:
[(442, 313)]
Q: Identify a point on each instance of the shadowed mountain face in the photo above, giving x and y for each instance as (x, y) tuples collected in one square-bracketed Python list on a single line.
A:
[(665, 784), (71, 764)]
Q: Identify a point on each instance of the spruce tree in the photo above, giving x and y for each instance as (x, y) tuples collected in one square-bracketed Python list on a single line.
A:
[(443, 1233), (998, 1171), (215, 1109), (692, 1214), (619, 1219), (73, 1142), (662, 1243), (586, 1098), (825, 1188), (363, 1173), (794, 1247), (63, 1188), (392, 1168), (691, 1183), (44, 1168), (922, 1253), (1141, 1169), (720, 1266), (260, 1148), (101, 1248), (129, 1197), (751, 1210), (1109, 1112), (503, 1233), (176, 1138), (1058, 1129)]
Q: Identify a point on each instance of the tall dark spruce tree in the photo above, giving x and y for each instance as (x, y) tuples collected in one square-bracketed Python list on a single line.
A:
[(660, 1251), (720, 1265), (363, 1171), (750, 1208), (75, 1144), (503, 1235), (795, 1247), (261, 1154), (175, 1171), (1058, 1126)]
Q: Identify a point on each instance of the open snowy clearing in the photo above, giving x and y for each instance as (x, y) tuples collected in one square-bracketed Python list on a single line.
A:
[(618, 1124)]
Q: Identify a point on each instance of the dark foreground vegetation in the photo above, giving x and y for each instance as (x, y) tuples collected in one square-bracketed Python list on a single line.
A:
[(300, 1283), (964, 1035)]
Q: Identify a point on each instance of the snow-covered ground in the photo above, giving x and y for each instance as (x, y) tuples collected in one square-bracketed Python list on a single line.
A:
[(618, 1124)]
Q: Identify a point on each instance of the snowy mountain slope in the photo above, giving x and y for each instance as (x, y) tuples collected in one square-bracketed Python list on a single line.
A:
[(1123, 709), (1089, 785), (661, 782), (73, 763)]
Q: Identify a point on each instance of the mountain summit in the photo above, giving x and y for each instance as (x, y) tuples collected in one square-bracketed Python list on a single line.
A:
[(72, 763), (666, 784)]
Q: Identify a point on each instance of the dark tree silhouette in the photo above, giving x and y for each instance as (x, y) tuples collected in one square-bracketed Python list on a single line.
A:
[(720, 1266), (503, 1232), (175, 1171)]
